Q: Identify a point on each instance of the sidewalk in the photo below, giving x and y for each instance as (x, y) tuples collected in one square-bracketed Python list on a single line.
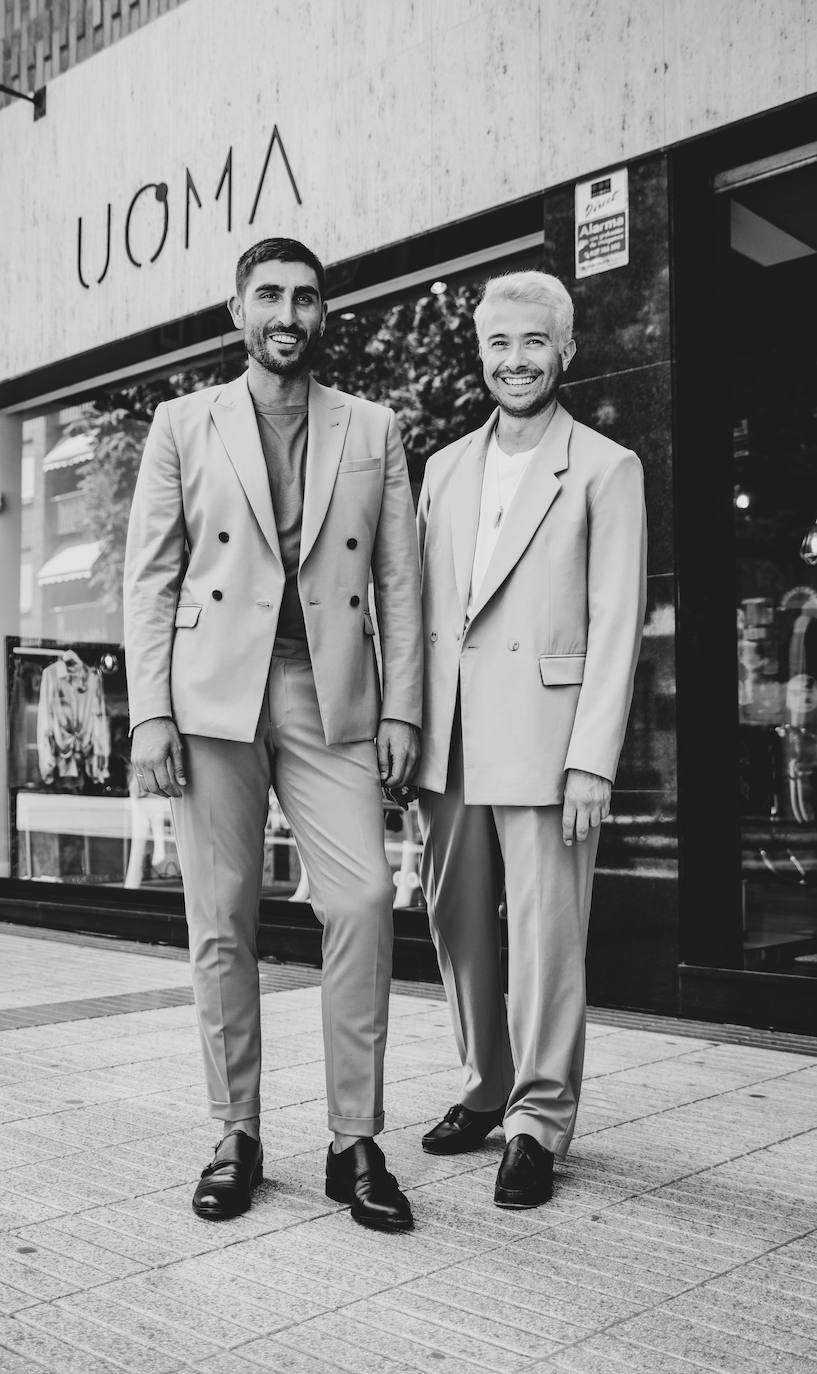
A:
[(682, 1235)]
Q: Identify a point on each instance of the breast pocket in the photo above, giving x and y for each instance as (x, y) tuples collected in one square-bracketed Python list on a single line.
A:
[(187, 617), (359, 465)]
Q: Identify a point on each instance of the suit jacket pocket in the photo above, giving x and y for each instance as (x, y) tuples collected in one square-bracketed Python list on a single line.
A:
[(368, 627), (359, 465), (187, 617), (561, 670)]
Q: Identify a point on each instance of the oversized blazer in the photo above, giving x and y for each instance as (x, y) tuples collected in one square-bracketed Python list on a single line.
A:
[(204, 577), (545, 664)]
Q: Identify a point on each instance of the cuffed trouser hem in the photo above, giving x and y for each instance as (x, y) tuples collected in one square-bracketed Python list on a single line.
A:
[(236, 1111), (551, 1138), (356, 1125)]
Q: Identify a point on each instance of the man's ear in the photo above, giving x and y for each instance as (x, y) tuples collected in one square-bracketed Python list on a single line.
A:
[(568, 354), (324, 311), (236, 310)]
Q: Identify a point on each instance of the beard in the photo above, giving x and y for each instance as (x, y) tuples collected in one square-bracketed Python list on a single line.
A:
[(539, 402), (255, 343)]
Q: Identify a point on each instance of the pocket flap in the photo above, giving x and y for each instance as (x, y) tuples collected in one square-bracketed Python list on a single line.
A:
[(358, 465), (561, 670), (368, 627), (187, 616)]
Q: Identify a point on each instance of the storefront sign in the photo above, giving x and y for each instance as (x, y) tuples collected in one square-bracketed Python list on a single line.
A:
[(602, 223), (137, 226)]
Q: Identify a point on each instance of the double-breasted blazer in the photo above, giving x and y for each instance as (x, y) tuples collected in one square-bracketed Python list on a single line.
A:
[(204, 577), (545, 664)]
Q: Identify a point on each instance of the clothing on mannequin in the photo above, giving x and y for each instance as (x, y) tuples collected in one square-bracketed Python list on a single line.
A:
[(73, 729)]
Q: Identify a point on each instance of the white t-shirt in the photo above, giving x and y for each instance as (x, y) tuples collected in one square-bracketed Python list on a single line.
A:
[(500, 481)]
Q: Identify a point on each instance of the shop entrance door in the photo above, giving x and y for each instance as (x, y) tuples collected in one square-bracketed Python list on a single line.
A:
[(770, 386)]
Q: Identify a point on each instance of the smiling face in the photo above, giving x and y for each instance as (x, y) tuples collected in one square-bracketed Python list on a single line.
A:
[(523, 357), (282, 316)]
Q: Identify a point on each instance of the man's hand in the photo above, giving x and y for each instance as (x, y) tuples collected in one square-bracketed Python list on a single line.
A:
[(157, 757), (587, 804), (398, 752)]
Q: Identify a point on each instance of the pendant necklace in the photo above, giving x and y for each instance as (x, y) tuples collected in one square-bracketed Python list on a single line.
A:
[(499, 502)]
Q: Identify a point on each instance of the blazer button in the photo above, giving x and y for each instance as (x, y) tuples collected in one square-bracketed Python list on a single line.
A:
[(513, 645), (351, 543), (224, 536), (354, 600), (217, 595), (433, 636)]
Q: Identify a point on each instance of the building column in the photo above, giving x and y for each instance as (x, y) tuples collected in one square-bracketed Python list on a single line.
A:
[(11, 431)]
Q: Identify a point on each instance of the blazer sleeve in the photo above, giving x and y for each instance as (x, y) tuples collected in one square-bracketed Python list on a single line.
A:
[(154, 567), (616, 601), (396, 572)]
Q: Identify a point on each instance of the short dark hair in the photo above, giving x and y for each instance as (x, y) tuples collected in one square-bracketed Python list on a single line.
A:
[(277, 250)]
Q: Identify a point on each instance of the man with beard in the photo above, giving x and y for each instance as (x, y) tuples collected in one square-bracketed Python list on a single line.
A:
[(261, 510), (532, 536)]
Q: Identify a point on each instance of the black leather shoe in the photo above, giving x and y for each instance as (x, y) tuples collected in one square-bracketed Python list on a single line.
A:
[(461, 1130), (226, 1185), (525, 1177), (359, 1175)]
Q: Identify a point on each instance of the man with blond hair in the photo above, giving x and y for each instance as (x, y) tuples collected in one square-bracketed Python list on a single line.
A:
[(532, 536)]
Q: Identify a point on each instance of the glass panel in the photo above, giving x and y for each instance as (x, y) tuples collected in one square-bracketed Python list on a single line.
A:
[(772, 366), (76, 813)]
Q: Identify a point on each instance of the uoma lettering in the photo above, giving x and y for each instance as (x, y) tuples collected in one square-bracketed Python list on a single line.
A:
[(158, 193)]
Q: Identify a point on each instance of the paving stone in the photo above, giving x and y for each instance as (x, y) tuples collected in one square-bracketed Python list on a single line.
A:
[(49, 1237), (486, 1326), (13, 1299), (591, 1249), (503, 1305), (297, 1295), (39, 1348), (383, 1313), (102, 1232), (571, 1296), (373, 1336), (610, 1354), (747, 1320), (148, 1328), (98, 1341), (303, 1348), (723, 1350)]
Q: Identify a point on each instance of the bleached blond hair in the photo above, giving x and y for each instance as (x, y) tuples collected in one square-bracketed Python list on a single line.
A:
[(539, 288)]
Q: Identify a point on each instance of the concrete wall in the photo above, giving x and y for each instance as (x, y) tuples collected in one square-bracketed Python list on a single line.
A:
[(395, 116)]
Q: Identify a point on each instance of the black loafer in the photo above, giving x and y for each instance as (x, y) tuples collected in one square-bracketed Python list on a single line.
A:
[(359, 1175), (226, 1185), (525, 1177), (461, 1130)]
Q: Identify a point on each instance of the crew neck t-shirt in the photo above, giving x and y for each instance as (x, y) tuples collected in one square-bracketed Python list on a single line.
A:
[(283, 430), (500, 482)]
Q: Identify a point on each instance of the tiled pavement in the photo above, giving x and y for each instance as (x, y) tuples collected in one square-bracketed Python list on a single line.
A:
[(682, 1235)]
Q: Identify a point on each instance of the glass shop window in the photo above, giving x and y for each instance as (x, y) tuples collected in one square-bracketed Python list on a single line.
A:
[(772, 367)]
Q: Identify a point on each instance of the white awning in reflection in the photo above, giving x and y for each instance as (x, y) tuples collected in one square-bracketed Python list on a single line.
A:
[(71, 563), (75, 449)]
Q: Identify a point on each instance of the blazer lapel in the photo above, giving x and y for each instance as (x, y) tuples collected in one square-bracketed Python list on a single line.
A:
[(329, 417), (465, 493), (234, 417), (534, 497)]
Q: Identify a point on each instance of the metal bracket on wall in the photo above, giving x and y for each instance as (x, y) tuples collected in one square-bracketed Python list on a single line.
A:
[(37, 99)]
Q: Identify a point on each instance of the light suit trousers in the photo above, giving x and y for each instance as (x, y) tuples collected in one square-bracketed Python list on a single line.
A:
[(530, 1052), (331, 798)]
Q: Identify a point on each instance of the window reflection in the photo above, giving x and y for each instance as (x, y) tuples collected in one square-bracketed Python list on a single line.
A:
[(774, 430)]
